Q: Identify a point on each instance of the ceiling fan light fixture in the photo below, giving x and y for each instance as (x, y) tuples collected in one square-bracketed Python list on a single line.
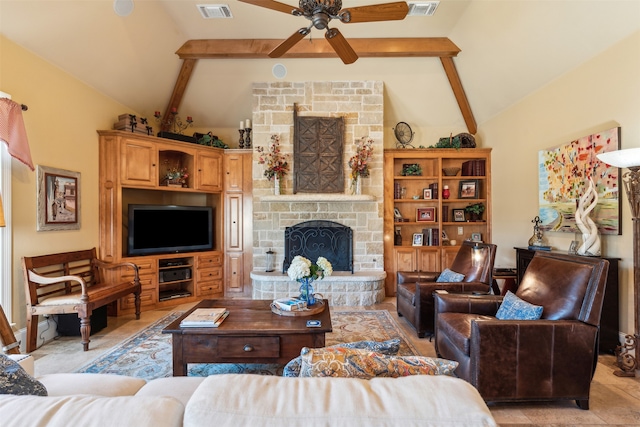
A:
[(427, 8), (214, 11)]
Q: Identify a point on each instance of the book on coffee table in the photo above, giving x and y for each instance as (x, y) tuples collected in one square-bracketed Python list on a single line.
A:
[(205, 318)]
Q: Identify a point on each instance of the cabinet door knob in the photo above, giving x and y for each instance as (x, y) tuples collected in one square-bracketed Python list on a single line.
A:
[(248, 347)]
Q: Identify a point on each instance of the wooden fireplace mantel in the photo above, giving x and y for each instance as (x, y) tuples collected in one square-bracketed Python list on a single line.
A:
[(440, 47)]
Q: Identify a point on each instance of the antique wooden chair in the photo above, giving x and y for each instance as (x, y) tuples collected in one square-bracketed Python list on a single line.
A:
[(73, 282)]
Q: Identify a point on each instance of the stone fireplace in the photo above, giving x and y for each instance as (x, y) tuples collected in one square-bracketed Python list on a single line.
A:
[(361, 105)]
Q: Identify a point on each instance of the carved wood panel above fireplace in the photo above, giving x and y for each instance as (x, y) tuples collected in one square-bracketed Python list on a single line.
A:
[(318, 147)]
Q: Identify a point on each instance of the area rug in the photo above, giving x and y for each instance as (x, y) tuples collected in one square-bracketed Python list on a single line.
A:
[(147, 354)]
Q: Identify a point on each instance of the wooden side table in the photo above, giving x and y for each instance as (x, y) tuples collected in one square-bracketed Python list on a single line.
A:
[(509, 275)]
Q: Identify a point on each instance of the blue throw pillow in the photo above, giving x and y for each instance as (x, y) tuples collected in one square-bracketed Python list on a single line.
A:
[(514, 308), (449, 276)]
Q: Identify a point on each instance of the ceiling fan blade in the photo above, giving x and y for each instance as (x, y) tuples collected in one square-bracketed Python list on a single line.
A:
[(273, 5), (378, 12), (341, 46), (283, 47)]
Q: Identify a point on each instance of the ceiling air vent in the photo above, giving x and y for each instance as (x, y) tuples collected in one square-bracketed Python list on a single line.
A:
[(423, 8), (209, 11)]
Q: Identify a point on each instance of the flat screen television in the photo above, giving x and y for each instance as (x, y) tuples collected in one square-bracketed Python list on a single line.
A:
[(158, 229)]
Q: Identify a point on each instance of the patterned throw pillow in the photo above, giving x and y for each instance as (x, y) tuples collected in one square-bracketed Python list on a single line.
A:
[(514, 308), (388, 347), (15, 380), (354, 363), (449, 276)]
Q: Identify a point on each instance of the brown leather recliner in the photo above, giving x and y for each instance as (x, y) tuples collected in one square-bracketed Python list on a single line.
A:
[(514, 360), (414, 294)]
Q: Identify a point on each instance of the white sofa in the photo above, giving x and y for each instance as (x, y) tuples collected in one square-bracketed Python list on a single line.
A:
[(247, 400)]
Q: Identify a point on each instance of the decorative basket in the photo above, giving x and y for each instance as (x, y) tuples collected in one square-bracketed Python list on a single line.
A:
[(451, 171)]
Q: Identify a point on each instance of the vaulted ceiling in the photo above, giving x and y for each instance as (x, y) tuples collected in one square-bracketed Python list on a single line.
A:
[(509, 49)]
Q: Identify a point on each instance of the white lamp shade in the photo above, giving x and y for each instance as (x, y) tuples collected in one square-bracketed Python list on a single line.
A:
[(621, 158)]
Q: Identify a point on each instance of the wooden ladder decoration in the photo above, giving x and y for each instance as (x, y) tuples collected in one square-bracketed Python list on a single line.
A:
[(7, 338)]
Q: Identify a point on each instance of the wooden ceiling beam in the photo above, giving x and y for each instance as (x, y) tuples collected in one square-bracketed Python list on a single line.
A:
[(440, 47), (317, 48), (178, 91), (458, 91)]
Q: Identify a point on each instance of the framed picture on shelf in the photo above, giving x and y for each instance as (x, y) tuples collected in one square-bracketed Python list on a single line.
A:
[(476, 237), (426, 214), (417, 239), (445, 237), (469, 189), (426, 194), (458, 215)]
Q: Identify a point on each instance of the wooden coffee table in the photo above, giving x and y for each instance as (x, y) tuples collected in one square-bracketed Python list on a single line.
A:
[(251, 333)]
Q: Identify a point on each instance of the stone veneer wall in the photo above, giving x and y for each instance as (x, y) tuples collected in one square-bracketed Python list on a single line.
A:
[(361, 105)]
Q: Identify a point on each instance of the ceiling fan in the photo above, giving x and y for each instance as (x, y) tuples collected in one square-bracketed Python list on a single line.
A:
[(321, 12)]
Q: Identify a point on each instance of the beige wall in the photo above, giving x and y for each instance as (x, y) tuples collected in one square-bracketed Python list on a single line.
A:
[(61, 124), (601, 94)]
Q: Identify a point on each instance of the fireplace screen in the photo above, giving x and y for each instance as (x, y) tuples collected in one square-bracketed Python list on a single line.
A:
[(312, 239)]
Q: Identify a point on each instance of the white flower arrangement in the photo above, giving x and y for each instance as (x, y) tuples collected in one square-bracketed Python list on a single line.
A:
[(302, 268)]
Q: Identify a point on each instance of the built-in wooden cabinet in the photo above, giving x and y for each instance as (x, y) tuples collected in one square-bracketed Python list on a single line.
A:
[(132, 171), (138, 162), (414, 205), (238, 238), (209, 171)]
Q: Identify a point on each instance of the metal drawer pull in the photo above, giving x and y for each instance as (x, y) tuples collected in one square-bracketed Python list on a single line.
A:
[(248, 347)]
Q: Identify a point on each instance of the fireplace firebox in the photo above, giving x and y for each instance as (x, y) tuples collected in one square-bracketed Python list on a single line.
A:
[(312, 239)]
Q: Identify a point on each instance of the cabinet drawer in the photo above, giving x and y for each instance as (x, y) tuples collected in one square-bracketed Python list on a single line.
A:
[(258, 347), (147, 298), (212, 260), (209, 274), (209, 288), (147, 266)]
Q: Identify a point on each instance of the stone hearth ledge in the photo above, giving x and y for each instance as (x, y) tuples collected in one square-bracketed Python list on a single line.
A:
[(365, 287)]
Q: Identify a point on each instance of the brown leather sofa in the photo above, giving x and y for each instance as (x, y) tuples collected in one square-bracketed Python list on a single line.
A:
[(414, 294), (531, 360)]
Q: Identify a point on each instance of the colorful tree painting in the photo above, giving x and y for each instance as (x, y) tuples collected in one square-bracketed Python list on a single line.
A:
[(563, 177)]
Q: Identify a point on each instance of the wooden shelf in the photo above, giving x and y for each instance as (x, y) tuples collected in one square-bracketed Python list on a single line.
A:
[(436, 257)]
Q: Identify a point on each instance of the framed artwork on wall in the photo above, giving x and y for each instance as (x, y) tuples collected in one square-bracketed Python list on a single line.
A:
[(58, 199), (563, 176)]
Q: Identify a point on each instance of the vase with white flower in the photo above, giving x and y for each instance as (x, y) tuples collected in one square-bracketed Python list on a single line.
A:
[(359, 163), (276, 163), (305, 272)]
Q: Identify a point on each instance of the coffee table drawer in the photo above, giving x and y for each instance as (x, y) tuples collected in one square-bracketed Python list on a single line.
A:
[(258, 347)]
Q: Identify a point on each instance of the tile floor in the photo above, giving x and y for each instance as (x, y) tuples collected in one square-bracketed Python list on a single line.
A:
[(614, 400)]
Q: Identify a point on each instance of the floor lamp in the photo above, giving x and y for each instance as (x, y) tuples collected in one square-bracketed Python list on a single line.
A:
[(629, 352)]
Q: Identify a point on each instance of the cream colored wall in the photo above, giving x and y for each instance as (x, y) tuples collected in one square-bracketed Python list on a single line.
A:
[(61, 124), (601, 94)]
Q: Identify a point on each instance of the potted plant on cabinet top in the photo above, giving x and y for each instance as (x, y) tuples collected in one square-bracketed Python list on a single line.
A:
[(475, 211)]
